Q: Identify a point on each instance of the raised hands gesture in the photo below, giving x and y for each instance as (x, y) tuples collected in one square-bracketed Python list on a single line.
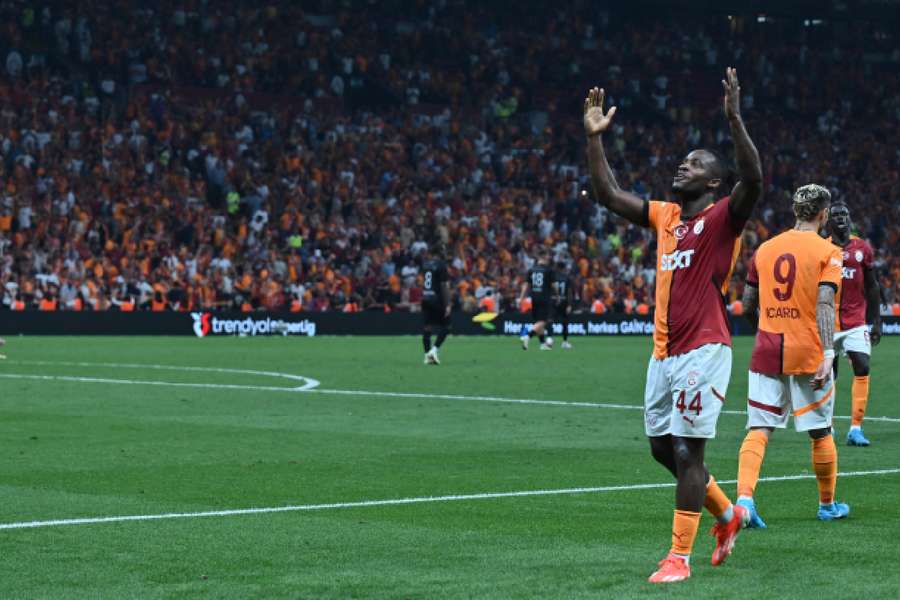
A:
[(732, 93), (595, 122)]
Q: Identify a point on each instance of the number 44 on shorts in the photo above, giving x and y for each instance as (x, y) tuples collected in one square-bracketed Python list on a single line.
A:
[(695, 404)]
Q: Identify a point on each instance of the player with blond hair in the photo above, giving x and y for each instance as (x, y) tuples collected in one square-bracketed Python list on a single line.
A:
[(793, 279)]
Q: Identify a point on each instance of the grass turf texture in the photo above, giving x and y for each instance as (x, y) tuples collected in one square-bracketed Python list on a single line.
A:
[(75, 449)]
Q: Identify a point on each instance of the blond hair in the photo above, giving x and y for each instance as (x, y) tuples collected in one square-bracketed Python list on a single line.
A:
[(809, 201)]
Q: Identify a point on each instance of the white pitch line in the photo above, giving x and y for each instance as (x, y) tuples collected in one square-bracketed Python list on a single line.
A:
[(308, 382), (399, 501), (503, 400), (311, 387), (219, 386)]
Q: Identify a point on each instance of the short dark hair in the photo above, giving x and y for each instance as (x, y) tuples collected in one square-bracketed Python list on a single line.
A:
[(721, 167)]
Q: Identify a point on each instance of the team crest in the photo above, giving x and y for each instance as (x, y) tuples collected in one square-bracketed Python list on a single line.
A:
[(859, 256), (698, 227), (693, 375), (681, 230)]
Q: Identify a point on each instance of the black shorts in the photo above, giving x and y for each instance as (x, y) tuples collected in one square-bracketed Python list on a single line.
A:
[(540, 310), (435, 314), (561, 310)]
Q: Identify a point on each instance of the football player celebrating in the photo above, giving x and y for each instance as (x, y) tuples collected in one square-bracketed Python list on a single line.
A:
[(698, 239)]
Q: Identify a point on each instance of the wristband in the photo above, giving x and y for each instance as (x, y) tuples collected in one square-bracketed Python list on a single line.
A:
[(829, 353)]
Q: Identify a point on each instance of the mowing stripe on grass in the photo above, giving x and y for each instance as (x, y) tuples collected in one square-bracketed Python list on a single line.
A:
[(398, 501), (311, 385), (503, 400)]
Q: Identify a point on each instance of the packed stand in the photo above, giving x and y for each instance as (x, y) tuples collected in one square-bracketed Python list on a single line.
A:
[(244, 156)]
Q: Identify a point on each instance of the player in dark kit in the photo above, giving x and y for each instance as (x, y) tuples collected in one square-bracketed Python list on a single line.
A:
[(436, 304), (562, 301), (698, 239), (540, 284), (857, 303)]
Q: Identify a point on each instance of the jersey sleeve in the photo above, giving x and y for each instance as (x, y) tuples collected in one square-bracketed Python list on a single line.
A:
[(832, 269), (752, 273), (655, 213)]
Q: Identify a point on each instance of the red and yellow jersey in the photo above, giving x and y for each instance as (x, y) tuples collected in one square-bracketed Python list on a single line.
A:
[(850, 303), (788, 270), (694, 261)]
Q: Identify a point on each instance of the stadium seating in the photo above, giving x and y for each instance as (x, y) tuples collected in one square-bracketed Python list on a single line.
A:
[(256, 156)]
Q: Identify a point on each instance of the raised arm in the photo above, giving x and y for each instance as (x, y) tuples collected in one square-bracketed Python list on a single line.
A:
[(750, 301), (825, 323), (748, 190), (606, 189), (873, 304)]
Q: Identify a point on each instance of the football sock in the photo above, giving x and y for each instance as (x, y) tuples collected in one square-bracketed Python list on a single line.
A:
[(532, 332), (717, 503), (684, 531), (750, 460), (824, 457), (566, 330), (542, 337), (442, 335), (860, 394), (426, 341)]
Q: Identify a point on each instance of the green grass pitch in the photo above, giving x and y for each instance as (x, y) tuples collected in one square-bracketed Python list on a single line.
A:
[(77, 445)]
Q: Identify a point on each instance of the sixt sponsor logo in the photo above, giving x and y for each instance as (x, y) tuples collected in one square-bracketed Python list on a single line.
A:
[(209, 324), (680, 259)]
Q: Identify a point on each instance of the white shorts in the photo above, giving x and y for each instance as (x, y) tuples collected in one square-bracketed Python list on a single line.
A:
[(684, 393), (853, 340), (773, 398)]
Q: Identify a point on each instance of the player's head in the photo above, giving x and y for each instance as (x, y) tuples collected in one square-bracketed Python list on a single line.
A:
[(561, 266), (543, 255), (839, 218), (811, 204), (700, 172), (436, 250)]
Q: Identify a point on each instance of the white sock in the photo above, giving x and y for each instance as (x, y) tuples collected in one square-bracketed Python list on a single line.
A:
[(855, 427), (745, 497), (686, 557)]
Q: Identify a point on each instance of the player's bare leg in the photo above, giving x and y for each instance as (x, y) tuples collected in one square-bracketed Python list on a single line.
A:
[(715, 500), (696, 488), (859, 393)]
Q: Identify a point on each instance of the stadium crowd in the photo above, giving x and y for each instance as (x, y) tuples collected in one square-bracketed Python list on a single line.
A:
[(263, 155)]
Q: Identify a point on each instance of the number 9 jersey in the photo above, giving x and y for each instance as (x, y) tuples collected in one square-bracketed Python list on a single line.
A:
[(788, 270)]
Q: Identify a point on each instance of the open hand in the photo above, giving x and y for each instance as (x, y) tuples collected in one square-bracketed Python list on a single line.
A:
[(732, 93), (595, 122)]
